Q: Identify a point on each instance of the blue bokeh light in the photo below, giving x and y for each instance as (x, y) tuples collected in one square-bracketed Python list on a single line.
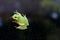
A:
[(54, 15)]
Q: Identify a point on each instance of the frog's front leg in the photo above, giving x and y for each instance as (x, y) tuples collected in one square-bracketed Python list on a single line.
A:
[(21, 24)]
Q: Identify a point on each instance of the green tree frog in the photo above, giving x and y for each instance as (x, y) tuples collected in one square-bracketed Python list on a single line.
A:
[(22, 21)]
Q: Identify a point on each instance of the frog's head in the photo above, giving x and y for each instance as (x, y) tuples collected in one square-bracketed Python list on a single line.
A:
[(16, 16)]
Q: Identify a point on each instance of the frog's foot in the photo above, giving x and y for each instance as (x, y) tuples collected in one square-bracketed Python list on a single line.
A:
[(17, 27), (21, 27)]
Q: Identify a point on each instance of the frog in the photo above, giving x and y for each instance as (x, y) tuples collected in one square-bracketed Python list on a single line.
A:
[(21, 20)]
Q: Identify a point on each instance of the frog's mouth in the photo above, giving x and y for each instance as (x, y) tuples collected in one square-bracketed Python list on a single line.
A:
[(14, 19), (21, 24)]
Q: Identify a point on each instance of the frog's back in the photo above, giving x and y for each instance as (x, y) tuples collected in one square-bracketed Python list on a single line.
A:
[(23, 20)]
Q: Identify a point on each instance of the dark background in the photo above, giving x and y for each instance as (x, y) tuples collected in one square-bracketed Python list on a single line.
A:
[(43, 25)]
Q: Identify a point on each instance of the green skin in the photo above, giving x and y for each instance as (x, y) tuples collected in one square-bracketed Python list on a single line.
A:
[(22, 21)]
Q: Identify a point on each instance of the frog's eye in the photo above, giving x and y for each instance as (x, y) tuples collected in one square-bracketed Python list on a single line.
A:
[(15, 17)]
